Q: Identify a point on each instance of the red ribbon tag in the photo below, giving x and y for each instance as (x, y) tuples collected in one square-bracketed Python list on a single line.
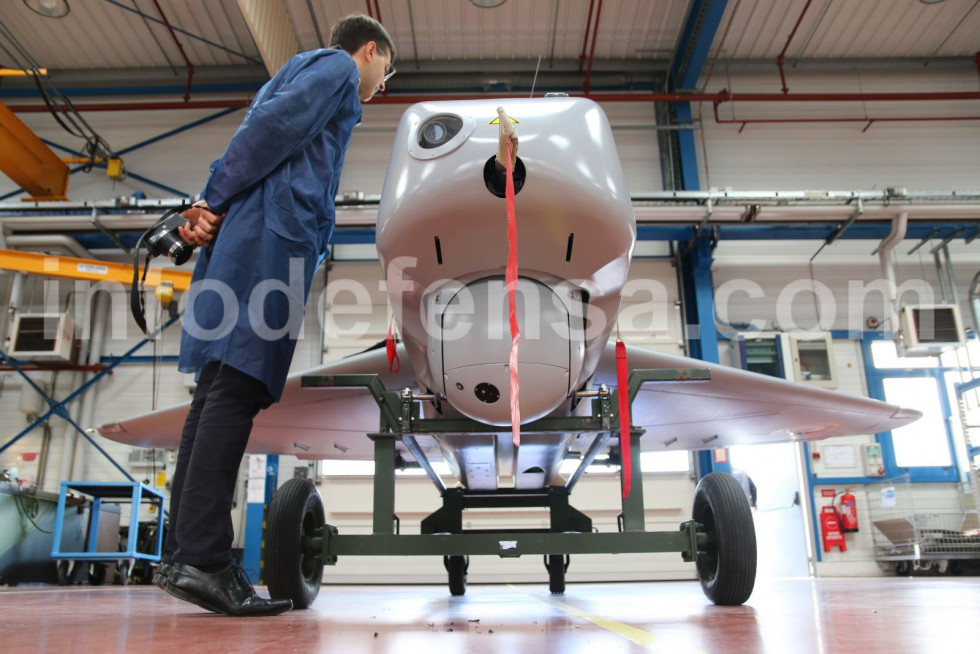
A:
[(511, 279), (394, 365), (623, 393)]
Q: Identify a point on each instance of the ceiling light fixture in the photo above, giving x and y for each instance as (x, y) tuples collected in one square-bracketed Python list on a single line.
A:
[(49, 8), (488, 4), (930, 2)]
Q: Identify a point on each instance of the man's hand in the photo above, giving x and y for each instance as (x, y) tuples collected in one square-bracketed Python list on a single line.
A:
[(202, 224)]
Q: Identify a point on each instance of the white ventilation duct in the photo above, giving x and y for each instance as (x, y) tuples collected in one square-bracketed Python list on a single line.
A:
[(897, 234), (48, 243)]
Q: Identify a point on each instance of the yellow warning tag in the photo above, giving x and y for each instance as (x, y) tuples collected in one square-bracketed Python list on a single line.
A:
[(496, 121), (161, 479)]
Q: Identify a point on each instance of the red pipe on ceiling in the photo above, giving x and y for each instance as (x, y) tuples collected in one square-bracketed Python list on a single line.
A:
[(370, 11), (585, 41), (190, 66), (95, 367), (721, 44), (725, 96), (595, 33), (742, 122), (138, 106), (719, 97), (782, 55)]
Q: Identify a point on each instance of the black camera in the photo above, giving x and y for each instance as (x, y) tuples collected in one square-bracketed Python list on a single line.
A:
[(161, 238), (164, 239)]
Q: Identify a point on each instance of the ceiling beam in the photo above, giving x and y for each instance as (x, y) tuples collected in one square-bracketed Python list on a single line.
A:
[(272, 29)]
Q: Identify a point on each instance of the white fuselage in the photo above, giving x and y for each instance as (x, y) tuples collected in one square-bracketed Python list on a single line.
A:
[(442, 239)]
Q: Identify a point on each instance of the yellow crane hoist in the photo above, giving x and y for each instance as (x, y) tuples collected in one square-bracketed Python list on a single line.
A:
[(32, 165)]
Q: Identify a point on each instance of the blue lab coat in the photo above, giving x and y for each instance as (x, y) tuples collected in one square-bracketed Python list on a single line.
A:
[(277, 181)]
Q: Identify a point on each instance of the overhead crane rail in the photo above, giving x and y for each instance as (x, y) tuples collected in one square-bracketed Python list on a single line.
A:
[(90, 269), (720, 206)]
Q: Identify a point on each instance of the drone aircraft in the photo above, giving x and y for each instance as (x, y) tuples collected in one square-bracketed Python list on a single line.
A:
[(442, 239)]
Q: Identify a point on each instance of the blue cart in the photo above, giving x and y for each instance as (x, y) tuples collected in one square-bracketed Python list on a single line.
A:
[(110, 493)]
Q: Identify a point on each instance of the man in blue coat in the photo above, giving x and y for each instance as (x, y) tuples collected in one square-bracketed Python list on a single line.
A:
[(272, 194)]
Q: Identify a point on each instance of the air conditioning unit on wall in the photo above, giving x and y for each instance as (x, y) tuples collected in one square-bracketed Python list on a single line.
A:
[(930, 329), (44, 337)]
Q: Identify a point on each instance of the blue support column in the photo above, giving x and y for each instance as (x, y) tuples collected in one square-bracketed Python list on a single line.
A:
[(255, 512), (701, 330), (706, 463), (686, 147), (700, 29), (699, 299), (681, 172)]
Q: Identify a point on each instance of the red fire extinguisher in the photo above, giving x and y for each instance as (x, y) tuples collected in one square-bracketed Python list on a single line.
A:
[(848, 511)]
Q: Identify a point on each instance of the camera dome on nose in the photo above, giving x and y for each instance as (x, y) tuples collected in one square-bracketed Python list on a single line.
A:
[(438, 130)]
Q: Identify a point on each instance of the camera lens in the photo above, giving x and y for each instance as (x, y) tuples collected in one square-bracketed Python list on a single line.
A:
[(439, 130), (487, 393), (180, 252)]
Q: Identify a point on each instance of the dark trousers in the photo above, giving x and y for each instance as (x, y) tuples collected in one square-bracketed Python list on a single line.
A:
[(212, 445)]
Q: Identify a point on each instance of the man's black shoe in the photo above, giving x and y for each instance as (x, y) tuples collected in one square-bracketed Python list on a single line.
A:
[(227, 592), (162, 574)]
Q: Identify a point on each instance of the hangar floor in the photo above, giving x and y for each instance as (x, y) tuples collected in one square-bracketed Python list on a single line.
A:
[(789, 615)]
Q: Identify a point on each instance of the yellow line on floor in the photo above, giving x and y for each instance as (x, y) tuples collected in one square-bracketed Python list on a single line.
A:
[(638, 636)]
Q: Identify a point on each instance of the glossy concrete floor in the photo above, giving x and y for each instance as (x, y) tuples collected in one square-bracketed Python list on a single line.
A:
[(789, 615)]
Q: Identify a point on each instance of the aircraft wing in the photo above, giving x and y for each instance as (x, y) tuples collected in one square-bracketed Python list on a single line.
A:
[(308, 423), (740, 407), (734, 407)]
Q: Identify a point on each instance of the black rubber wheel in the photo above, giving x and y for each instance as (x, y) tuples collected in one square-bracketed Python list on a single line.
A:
[(457, 566), (903, 569), (293, 567), (727, 565), (141, 573), (96, 574), (122, 570), (64, 570), (556, 564)]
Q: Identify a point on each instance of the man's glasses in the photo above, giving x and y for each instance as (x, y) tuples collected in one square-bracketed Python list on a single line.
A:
[(389, 71)]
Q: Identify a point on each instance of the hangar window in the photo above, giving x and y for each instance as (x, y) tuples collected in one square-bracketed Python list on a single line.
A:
[(923, 449), (679, 461), (349, 468), (924, 442), (653, 462)]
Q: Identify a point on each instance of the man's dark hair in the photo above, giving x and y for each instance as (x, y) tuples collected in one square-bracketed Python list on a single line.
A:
[(354, 31)]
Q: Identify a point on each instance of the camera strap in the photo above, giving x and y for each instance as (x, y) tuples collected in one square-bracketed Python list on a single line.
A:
[(137, 301)]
